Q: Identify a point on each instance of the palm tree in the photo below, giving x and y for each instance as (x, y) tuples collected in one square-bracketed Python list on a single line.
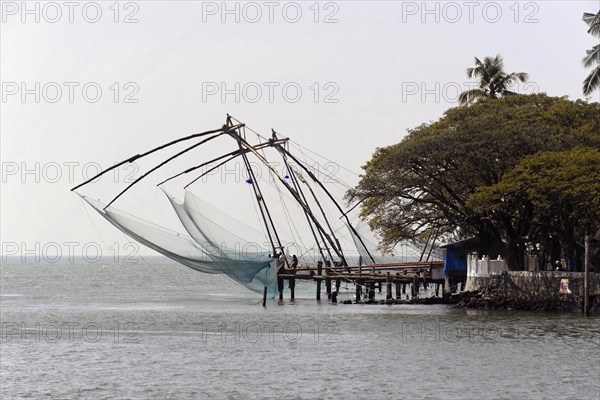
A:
[(493, 81), (592, 82)]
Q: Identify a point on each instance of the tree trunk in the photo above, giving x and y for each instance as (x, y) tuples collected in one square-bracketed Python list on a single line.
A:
[(515, 254)]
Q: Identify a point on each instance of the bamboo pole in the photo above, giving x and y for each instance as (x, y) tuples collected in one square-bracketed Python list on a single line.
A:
[(265, 296), (137, 156), (319, 272)]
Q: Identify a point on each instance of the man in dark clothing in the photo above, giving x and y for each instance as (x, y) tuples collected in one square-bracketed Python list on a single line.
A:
[(558, 265)]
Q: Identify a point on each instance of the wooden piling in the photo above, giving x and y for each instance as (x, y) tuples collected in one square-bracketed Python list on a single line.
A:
[(265, 297), (446, 289), (327, 279), (292, 285), (319, 272), (415, 288), (280, 287), (407, 276), (371, 290)]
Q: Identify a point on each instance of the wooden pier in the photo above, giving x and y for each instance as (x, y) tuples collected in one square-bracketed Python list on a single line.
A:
[(367, 280)]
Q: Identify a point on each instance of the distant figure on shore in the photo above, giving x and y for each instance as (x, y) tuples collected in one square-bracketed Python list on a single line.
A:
[(558, 265)]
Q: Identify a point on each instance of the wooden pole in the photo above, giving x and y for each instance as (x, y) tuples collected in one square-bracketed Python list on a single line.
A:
[(415, 287), (331, 230), (265, 297), (292, 284), (310, 224), (280, 287), (132, 159), (586, 289), (398, 295), (319, 272), (388, 287), (242, 142), (160, 165), (232, 155), (314, 178), (358, 291), (371, 290), (262, 206), (327, 280), (446, 290)]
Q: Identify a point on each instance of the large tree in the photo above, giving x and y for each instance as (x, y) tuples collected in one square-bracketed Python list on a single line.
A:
[(424, 183), (592, 81), (555, 194), (493, 81)]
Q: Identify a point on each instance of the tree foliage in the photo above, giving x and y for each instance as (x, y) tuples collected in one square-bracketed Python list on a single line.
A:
[(592, 58), (556, 195), (426, 182), (493, 81)]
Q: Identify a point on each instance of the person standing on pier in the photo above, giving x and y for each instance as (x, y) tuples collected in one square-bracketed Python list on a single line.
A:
[(280, 262), (558, 265)]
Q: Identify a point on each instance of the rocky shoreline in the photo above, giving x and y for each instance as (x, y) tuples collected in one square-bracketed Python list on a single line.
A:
[(559, 291), (496, 300)]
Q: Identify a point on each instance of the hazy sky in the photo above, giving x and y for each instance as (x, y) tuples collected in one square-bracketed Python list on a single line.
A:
[(87, 84)]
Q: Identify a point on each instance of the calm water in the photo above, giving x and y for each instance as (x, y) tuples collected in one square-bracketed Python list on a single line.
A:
[(163, 331)]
